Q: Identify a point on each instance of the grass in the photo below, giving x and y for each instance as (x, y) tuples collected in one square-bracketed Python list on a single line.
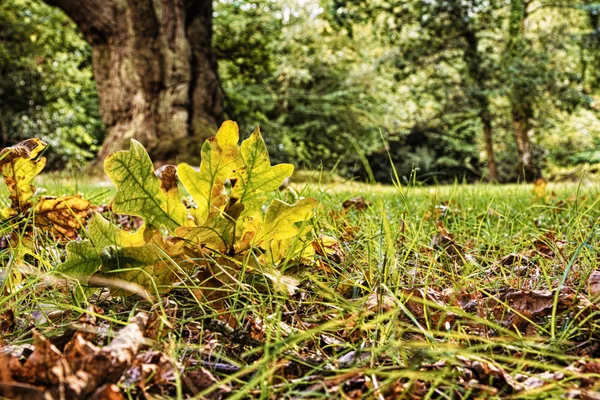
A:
[(443, 292)]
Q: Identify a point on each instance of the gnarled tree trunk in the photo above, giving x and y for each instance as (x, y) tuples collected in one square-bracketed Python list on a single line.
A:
[(155, 71)]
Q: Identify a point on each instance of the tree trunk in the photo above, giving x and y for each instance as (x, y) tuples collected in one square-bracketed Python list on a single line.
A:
[(521, 127), (478, 76), (155, 71), (592, 42), (489, 149), (521, 91)]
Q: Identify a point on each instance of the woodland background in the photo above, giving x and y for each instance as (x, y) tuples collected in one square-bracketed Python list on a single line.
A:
[(448, 90)]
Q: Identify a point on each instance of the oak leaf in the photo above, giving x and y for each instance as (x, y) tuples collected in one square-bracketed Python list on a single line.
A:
[(19, 167), (140, 192)]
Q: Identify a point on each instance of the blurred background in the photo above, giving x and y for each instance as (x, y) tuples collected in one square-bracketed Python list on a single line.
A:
[(473, 90)]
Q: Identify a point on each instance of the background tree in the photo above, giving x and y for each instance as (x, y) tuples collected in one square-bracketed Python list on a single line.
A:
[(155, 71), (512, 69), (522, 76), (447, 40), (46, 86), (434, 84), (316, 94)]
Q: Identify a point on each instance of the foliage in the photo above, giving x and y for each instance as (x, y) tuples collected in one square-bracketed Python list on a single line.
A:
[(459, 57), (436, 153), (47, 90), (314, 92), (226, 228), (325, 77)]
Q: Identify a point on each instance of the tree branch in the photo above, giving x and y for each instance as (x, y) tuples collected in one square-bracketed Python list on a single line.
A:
[(94, 17)]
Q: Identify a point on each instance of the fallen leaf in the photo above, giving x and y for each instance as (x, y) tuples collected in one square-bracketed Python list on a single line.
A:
[(108, 392), (329, 248), (63, 216), (356, 203), (539, 188), (519, 308), (140, 192), (77, 372), (486, 372), (594, 283), (200, 379), (19, 168), (220, 158), (7, 322), (151, 371)]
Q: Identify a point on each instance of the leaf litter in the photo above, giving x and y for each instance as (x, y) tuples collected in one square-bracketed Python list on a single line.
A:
[(343, 330)]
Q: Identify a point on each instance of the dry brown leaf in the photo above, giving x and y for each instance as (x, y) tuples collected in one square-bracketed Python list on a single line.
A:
[(329, 248), (445, 240), (548, 243), (45, 366), (63, 216), (539, 380), (522, 258), (159, 324), (201, 379), (377, 302), (485, 372), (108, 392), (80, 369), (356, 203), (7, 322), (594, 284), (152, 371), (516, 308), (418, 300)]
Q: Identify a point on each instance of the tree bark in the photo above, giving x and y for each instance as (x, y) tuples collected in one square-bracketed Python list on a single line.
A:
[(521, 126), (520, 97), (489, 148), (155, 71), (478, 76)]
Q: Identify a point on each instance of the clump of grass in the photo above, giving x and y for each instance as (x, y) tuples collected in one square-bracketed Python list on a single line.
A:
[(443, 292)]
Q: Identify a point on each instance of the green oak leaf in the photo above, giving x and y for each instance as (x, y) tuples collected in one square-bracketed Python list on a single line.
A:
[(280, 234), (150, 265), (220, 157), (83, 257), (216, 233), (226, 222), (251, 183), (257, 176), (104, 233), (82, 261), (140, 192), (281, 219)]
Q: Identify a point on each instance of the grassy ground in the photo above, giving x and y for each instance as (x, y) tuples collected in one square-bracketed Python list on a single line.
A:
[(446, 292)]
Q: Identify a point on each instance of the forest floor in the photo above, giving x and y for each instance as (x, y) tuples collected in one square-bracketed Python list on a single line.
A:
[(437, 292)]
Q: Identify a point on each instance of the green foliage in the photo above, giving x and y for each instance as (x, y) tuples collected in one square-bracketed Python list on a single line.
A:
[(47, 90), (459, 58), (226, 224), (318, 76), (431, 154), (313, 91)]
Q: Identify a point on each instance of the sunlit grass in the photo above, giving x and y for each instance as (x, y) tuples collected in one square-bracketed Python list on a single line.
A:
[(386, 317)]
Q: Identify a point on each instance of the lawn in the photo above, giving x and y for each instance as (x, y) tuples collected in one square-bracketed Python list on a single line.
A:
[(437, 292)]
